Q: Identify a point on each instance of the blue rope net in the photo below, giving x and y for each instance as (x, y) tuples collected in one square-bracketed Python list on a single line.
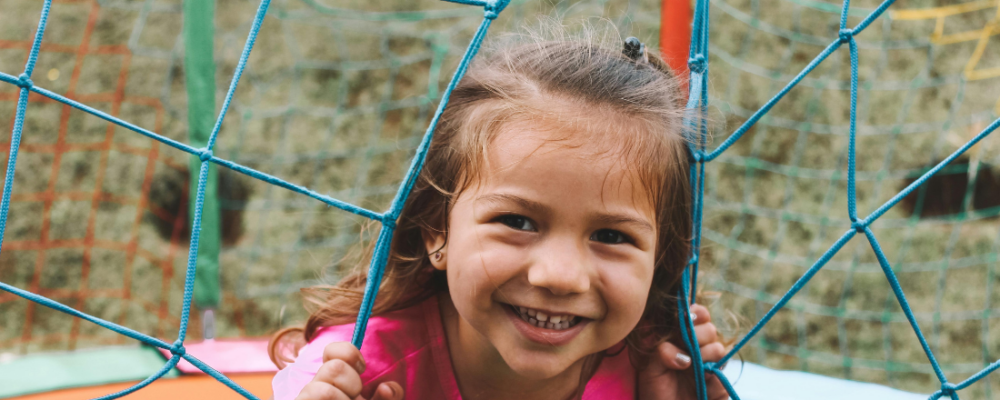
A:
[(701, 154), (23, 81), (332, 99), (699, 103)]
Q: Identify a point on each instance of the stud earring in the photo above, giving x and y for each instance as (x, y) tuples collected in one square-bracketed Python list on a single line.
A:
[(437, 255)]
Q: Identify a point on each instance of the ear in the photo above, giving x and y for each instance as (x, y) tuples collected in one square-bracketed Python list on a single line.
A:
[(436, 244)]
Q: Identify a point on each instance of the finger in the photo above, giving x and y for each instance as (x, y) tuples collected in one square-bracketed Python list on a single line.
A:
[(706, 333), (700, 314), (672, 357), (715, 389), (347, 352), (388, 391), (713, 351), (341, 376), (321, 391)]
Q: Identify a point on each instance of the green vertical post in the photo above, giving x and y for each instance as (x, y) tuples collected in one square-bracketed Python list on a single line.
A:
[(199, 72)]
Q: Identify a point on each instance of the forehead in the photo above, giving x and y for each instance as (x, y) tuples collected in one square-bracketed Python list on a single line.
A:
[(555, 123), (583, 160)]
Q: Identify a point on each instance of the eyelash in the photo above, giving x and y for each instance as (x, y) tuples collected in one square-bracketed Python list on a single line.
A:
[(518, 222), (623, 237), (510, 219)]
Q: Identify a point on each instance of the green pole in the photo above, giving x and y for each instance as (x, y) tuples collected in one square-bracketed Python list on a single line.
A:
[(199, 67)]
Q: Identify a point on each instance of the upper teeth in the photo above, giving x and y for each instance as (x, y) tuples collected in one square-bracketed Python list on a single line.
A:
[(545, 320)]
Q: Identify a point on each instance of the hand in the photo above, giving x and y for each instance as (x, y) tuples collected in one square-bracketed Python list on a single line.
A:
[(665, 377), (339, 378)]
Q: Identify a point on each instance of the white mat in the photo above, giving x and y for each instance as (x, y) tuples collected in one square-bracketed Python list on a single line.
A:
[(761, 383)]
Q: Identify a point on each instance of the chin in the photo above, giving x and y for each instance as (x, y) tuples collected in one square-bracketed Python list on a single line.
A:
[(537, 365)]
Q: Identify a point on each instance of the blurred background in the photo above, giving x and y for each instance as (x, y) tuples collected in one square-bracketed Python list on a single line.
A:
[(337, 94)]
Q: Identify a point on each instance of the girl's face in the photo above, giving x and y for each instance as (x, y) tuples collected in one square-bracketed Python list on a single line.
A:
[(550, 257)]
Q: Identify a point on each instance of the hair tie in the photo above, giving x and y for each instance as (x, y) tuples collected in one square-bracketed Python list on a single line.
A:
[(634, 49)]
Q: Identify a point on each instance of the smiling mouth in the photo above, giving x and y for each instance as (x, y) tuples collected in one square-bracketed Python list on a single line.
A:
[(545, 321)]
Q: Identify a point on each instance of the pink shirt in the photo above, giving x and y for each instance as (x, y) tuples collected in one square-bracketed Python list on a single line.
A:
[(408, 346)]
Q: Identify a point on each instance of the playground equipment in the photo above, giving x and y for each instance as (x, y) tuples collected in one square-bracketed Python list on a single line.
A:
[(752, 247)]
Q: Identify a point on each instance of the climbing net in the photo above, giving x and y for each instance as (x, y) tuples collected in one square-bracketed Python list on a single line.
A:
[(856, 224), (206, 156), (333, 98), (709, 198)]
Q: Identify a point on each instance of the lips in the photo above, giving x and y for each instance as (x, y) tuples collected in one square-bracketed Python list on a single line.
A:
[(539, 332)]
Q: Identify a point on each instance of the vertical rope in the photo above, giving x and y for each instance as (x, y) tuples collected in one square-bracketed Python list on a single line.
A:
[(376, 268)]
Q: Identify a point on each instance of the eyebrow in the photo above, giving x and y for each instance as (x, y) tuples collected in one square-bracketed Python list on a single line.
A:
[(497, 198), (615, 219), (534, 206)]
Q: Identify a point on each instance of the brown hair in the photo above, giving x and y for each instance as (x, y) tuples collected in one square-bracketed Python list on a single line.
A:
[(586, 69)]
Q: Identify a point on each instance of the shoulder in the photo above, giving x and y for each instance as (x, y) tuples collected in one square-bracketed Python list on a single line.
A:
[(614, 379), (389, 338)]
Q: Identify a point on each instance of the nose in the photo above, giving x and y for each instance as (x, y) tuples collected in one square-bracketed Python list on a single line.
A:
[(561, 267)]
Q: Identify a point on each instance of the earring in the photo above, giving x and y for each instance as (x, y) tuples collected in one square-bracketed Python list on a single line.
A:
[(437, 255)]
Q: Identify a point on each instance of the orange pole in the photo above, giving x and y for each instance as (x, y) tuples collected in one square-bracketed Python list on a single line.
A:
[(675, 34)]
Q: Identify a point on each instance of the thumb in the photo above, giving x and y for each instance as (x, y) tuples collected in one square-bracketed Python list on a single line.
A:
[(388, 391)]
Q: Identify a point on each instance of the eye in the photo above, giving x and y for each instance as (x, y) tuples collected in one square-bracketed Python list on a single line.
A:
[(518, 222), (609, 236)]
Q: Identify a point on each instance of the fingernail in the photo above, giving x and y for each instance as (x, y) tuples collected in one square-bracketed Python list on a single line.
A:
[(683, 359), (360, 366), (694, 317)]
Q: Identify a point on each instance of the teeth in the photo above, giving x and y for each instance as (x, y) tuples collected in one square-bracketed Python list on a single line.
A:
[(542, 320)]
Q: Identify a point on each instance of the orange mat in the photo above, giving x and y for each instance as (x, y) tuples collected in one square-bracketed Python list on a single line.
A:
[(186, 387)]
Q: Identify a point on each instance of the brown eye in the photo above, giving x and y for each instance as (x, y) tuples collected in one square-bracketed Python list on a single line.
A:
[(609, 236), (518, 222)]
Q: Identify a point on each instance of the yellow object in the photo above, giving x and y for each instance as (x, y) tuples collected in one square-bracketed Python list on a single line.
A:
[(983, 35)]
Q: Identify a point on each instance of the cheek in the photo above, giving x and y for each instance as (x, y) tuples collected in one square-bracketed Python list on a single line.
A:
[(478, 266), (626, 296)]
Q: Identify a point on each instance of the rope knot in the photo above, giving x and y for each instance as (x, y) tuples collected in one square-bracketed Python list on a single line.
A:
[(859, 226), (697, 156), (389, 223), (205, 154), (948, 388), (697, 64), (694, 260), (845, 35), (494, 7), (178, 348), (24, 82)]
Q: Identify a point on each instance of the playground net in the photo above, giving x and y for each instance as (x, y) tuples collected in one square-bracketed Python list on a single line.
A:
[(335, 98), (102, 228), (775, 201)]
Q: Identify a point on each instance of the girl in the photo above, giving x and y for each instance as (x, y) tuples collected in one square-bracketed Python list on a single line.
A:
[(538, 255)]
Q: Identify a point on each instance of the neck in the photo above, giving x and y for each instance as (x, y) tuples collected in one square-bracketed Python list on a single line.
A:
[(481, 372)]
